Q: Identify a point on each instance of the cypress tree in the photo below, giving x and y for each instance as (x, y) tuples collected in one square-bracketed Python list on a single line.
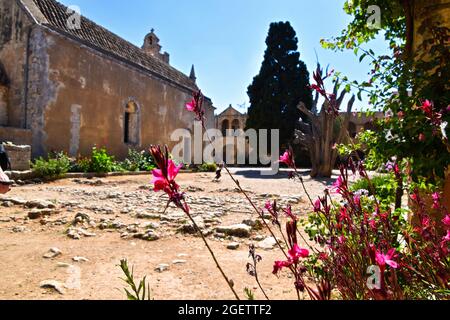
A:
[(281, 84)]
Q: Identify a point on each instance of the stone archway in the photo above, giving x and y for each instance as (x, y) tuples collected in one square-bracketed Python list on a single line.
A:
[(132, 123), (225, 126), (236, 124)]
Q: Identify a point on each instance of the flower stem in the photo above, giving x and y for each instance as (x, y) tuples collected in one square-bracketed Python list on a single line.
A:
[(230, 285)]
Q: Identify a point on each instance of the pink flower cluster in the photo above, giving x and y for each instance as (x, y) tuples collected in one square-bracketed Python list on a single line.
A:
[(294, 255), (288, 158), (196, 105), (164, 176)]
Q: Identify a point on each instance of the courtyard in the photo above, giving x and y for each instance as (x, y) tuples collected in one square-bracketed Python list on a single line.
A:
[(100, 221)]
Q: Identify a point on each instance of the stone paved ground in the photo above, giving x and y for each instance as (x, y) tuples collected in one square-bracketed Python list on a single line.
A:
[(93, 223)]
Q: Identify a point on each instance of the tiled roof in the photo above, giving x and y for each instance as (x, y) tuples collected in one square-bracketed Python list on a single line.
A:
[(231, 110), (55, 15)]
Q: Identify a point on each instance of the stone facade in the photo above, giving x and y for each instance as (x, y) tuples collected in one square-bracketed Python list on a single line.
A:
[(359, 121), (76, 88), (230, 119)]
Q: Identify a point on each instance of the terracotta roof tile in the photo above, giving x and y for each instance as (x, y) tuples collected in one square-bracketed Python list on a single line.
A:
[(102, 39)]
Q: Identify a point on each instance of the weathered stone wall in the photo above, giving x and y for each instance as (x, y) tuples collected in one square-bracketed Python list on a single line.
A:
[(15, 135), (14, 27), (77, 99), (3, 105), (19, 156)]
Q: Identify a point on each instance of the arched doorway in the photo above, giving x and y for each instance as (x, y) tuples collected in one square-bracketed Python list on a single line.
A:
[(235, 125), (225, 126), (131, 127)]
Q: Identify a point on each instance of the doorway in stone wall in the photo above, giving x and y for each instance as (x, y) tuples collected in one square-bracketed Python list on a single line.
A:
[(131, 125)]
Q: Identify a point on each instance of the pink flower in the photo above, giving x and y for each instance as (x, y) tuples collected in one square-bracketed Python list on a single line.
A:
[(396, 169), (339, 185), (196, 104), (343, 214), (357, 200), (386, 259), (296, 253), (425, 222), (161, 182), (317, 205), (415, 197), (373, 224), (427, 108), (446, 221), (289, 213), (191, 106), (288, 159), (323, 256), (164, 176), (436, 200), (279, 265), (272, 209), (444, 242), (422, 137), (341, 240), (447, 237), (436, 196)]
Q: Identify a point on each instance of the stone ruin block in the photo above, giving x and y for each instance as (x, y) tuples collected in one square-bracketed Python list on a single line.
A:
[(20, 156)]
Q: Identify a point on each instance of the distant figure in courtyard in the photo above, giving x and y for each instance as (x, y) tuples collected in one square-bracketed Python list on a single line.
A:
[(218, 173), (5, 164), (4, 182)]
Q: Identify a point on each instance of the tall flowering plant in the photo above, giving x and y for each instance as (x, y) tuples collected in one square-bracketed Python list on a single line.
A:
[(351, 242), (164, 180), (367, 250)]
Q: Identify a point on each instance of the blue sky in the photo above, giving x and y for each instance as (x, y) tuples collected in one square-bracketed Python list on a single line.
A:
[(225, 39)]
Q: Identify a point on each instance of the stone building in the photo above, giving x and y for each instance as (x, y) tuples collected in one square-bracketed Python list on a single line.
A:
[(360, 121), (68, 84), (230, 119)]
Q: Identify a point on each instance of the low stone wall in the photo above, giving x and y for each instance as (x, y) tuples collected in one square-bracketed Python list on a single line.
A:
[(15, 135), (19, 156)]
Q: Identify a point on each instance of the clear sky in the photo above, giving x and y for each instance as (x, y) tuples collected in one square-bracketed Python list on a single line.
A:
[(225, 39)]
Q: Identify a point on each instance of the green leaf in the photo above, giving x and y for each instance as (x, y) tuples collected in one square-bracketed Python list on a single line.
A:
[(361, 58)]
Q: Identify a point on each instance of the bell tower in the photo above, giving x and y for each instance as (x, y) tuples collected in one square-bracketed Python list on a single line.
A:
[(152, 47)]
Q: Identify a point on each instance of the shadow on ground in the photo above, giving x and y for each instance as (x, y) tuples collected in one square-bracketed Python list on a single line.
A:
[(256, 173)]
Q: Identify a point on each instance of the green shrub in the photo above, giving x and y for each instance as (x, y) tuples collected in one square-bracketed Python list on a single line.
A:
[(82, 164), (102, 162), (138, 161), (208, 167), (99, 162), (57, 165), (384, 185)]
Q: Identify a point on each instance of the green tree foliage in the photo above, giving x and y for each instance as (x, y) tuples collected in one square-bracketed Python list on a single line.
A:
[(281, 84), (400, 82)]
